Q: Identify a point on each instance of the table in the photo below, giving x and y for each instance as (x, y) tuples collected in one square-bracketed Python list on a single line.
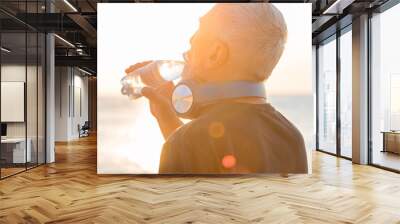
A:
[(391, 141), (13, 150)]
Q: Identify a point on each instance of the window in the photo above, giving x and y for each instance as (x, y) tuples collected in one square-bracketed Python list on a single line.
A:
[(346, 93), (395, 102), (327, 96), (385, 89)]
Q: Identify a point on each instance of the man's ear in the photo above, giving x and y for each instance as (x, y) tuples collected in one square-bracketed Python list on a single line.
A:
[(217, 55)]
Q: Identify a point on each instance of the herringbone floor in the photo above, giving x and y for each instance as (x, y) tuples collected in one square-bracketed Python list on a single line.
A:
[(69, 191)]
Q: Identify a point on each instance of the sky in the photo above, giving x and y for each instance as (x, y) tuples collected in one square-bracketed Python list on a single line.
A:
[(129, 33), (129, 140)]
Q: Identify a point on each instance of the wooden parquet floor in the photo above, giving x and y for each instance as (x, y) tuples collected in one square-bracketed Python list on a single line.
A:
[(70, 191)]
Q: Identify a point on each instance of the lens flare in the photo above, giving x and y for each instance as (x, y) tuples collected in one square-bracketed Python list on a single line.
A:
[(216, 129), (229, 161)]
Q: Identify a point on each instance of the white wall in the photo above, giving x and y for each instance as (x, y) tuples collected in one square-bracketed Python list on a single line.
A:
[(16, 73), (62, 82), (33, 127), (70, 83)]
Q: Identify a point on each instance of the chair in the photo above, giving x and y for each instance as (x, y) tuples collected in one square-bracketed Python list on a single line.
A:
[(84, 130)]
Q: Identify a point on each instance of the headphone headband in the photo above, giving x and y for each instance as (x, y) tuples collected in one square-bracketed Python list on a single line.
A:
[(189, 97), (229, 90)]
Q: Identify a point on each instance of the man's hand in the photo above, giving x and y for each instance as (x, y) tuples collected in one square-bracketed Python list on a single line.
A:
[(136, 66), (160, 100), (160, 103), (161, 108)]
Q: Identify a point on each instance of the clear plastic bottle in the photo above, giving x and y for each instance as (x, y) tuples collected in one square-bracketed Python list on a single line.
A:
[(153, 74)]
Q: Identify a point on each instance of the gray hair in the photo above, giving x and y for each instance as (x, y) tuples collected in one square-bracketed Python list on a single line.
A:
[(256, 34)]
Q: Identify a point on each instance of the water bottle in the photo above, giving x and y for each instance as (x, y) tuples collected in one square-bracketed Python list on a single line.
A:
[(154, 74)]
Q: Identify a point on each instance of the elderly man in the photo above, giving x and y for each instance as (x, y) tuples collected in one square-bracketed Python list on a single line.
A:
[(234, 42)]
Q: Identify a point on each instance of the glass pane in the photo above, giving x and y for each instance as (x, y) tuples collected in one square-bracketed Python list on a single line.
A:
[(327, 97), (41, 98), (13, 86), (22, 107), (31, 100), (346, 94), (394, 102), (386, 89), (31, 87)]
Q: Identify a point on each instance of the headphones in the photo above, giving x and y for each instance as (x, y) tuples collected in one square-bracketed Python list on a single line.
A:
[(190, 97)]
